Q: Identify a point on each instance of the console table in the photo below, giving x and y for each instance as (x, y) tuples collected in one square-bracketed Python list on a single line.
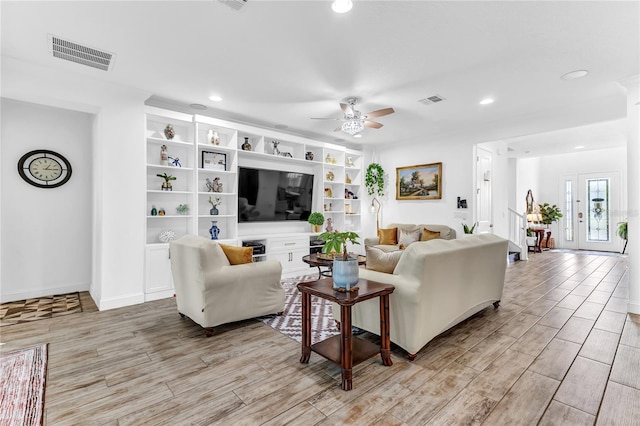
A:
[(346, 350)]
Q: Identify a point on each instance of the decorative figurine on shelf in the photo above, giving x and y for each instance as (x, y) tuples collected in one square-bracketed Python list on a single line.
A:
[(275, 144), (329, 159), (329, 227), (328, 193), (166, 185), (246, 146), (213, 137), (347, 179), (169, 133), (330, 176), (215, 202), (182, 209), (167, 236), (349, 162), (215, 186), (309, 156), (175, 161), (164, 156), (214, 231), (154, 211), (161, 212)]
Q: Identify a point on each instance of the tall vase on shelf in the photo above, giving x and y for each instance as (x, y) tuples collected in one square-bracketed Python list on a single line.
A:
[(214, 231)]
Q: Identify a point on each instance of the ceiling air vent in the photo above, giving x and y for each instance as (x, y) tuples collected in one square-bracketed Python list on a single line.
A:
[(431, 100), (70, 51), (234, 4)]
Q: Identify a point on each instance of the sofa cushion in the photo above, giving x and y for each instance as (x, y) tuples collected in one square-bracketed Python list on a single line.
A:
[(429, 235), (382, 261), (238, 255), (388, 236), (406, 237)]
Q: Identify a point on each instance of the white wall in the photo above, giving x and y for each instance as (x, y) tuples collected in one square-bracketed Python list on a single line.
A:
[(47, 233), (118, 137)]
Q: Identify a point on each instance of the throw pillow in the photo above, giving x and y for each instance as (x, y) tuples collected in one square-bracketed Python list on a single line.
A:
[(429, 235), (238, 255), (407, 237), (381, 261), (388, 236)]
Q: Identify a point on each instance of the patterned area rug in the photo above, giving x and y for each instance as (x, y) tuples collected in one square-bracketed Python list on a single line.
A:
[(290, 322), (22, 381), (39, 308)]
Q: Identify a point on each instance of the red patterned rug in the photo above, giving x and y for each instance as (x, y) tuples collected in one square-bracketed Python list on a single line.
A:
[(290, 322), (22, 380)]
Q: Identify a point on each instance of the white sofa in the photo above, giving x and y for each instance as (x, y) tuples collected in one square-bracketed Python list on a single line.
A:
[(439, 283), (211, 291)]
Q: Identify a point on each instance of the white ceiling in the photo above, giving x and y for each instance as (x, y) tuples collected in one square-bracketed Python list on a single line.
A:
[(282, 62)]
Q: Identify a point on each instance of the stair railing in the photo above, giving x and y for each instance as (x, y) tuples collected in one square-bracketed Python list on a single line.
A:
[(518, 231)]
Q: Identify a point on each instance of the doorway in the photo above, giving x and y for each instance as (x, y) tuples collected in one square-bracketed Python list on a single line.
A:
[(591, 211), (484, 210)]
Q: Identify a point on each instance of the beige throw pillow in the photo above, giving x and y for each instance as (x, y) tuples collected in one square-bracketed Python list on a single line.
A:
[(429, 235), (388, 236), (381, 261), (407, 237)]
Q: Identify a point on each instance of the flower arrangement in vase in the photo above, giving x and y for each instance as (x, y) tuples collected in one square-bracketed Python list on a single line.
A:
[(215, 202)]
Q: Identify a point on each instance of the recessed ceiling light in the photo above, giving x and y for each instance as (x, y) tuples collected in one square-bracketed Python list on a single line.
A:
[(338, 140), (199, 107), (281, 126), (579, 147), (341, 6), (486, 101), (357, 135), (215, 98), (574, 74)]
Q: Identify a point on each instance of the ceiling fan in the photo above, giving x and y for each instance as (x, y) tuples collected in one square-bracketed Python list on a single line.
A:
[(354, 121)]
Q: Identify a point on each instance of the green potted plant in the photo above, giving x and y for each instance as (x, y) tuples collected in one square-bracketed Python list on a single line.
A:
[(166, 185), (622, 233), (345, 269), (468, 230), (374, 179), (550, 213), (316, 219)]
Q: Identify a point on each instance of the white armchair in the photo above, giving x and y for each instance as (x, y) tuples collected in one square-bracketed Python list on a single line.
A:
[(211, 291)]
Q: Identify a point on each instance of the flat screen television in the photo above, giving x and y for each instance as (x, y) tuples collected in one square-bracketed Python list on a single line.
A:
[(273, 195)]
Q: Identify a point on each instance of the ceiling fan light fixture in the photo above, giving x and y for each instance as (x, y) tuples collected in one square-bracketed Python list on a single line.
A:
[(341, 6), (353, 126), (357, 135)]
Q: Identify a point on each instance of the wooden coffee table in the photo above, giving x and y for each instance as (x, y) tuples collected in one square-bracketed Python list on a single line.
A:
[(344, 349), (314, 260)]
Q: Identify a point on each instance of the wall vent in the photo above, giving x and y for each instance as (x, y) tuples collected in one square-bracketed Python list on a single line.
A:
[(431, 100), (234, 4), (74, 52)]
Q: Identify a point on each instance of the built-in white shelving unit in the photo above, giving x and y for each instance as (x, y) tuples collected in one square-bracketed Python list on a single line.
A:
[(209, 152)]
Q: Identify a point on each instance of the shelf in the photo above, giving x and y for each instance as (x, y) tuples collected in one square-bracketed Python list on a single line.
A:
[(334, 211), (159, 167), (271, 157), (170, 216), (213, 217), (163, 141), (216, 193), (157, 191), (228, 172), (208, 146)]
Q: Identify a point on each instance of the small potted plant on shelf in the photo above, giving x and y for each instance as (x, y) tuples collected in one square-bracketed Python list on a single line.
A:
[(215, 202), (345, 268), (316, 219), (166, 185), (622, 233), (182, 209)]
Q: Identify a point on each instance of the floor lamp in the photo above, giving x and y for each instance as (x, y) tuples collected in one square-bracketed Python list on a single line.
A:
[(377, 212)]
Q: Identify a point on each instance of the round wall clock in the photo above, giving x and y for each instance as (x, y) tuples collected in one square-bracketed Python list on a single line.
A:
[(44, 168)]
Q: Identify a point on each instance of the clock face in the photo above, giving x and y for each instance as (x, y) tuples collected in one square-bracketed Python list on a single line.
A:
[(44, 168)]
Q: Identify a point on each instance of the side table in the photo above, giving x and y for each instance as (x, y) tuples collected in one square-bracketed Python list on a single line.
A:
[(346, 350)]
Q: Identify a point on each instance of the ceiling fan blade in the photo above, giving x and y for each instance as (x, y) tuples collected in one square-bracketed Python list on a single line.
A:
[(380, 112), (345, 107), (337, 129), (372, 124)]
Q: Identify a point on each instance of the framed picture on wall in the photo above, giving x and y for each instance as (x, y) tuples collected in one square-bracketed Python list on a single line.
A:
[(422, 182), (214, 160)]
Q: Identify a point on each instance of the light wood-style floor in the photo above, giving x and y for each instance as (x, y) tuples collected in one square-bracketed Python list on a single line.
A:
[(560, 350)]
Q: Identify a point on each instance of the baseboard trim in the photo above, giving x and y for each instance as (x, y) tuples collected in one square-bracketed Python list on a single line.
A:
[(633, 308), (120, 302), (40, 292), (157, 295)]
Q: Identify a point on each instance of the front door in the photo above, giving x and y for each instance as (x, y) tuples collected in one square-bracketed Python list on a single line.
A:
[(591, 211)]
